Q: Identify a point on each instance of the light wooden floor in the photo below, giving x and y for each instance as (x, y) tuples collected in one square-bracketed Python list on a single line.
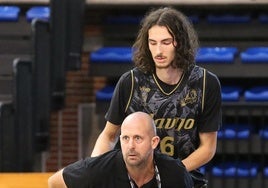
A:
[(24, 180)]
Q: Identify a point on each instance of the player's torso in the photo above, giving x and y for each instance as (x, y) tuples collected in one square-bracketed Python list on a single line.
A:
[(175, 113)]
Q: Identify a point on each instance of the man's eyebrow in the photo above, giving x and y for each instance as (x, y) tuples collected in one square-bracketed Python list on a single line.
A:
[(167, 39), (151, 39)]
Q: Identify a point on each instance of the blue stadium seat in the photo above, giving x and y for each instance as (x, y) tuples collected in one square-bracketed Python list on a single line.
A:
[(112, 54), (263, 133), (38, 12), (263, 18), (216, 54), (231, 93), (231, 169), (228, 18), (255, 55), (234, 131), (247, 169), (9, 13), (105, 94), (224, 170), (202, 169), (265, 171), (258, 93), (194, 18)]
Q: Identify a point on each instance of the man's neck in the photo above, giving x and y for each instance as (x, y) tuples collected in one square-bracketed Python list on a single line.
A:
[(169, 75), (142, 175)]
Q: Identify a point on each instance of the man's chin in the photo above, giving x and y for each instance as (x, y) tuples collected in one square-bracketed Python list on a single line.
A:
[(162, 66), (133, 161)]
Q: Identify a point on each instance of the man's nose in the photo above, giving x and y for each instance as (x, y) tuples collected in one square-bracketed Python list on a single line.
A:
[(159, 49), (131, 143)]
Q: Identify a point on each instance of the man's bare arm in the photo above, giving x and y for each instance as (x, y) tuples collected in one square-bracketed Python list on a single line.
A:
[(203, 154), (106, 140), (56, 180)]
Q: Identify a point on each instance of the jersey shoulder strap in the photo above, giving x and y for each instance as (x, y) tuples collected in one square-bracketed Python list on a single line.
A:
[(204, 88), (131, 90)]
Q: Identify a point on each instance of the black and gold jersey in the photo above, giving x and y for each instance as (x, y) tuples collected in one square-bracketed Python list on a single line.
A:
[(180, 111)]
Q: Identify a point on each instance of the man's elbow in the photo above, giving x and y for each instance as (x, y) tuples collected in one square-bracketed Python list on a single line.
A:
[(210, 153), (50, 183), (56, 180)]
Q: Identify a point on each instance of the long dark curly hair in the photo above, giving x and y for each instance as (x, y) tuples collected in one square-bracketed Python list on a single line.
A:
[(181, 30)]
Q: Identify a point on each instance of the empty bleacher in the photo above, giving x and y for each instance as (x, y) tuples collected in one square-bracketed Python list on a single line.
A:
[(32, 83), (17, 90), (233, 44)]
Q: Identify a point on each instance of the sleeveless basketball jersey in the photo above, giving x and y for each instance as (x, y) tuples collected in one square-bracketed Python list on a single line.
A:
[(175, 113)]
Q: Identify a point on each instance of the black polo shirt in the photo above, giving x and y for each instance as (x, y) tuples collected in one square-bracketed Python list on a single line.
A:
[(109, 171)]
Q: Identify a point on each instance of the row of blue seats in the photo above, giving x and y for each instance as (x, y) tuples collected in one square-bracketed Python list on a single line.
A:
[(233, 93), (227, 55), (229, 93), (12, 13), (240, 131), (215, 54), (236, 169), (210, 18)]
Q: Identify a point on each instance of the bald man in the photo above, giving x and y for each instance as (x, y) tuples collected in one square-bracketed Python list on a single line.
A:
[(136, 165)]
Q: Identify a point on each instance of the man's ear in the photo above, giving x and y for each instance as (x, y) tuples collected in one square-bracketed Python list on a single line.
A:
[(155, 141)]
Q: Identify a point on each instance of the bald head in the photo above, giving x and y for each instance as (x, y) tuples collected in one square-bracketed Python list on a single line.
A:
[(138, 140), (141, 121)]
